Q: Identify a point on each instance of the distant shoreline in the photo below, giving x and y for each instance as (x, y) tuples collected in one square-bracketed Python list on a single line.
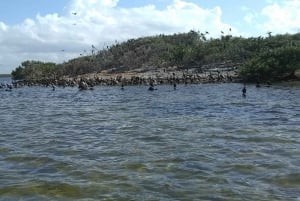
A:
[(131, 78), (5, 75), (136, 78)]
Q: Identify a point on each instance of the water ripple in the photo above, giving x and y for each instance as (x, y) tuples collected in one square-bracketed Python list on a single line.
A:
[(200, 142)]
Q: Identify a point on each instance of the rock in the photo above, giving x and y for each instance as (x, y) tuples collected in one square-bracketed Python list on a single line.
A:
[(297, 73)]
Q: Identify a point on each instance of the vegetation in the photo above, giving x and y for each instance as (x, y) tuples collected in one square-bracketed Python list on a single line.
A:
[(33, 70), (259, 59), (278, 64)]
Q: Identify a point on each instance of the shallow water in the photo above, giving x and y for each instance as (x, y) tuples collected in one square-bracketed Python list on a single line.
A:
[(199, 142)]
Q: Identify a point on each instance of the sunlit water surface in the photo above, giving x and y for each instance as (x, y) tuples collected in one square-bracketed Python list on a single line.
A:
[(199, 142)]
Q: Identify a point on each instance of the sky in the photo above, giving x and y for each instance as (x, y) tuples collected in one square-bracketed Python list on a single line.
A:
[(59, 30)]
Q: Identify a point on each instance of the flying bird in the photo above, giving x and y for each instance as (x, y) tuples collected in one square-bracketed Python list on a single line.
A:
[(74, 13)]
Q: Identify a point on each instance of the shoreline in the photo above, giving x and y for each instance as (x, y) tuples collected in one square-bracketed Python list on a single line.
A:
[(131, 78), (135, 78)]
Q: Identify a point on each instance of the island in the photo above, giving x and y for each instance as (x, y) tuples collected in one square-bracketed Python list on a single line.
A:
[(192, 57)]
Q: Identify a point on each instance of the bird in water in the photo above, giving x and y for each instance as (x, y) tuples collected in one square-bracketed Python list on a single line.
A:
[(244, 91), (151, 85)]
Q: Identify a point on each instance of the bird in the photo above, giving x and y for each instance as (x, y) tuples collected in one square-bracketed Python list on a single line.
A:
[(94, 47), (74, 13), (244, 91)]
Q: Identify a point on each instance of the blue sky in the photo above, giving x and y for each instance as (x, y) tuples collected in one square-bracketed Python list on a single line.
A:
[(40, 29), (15, 11)]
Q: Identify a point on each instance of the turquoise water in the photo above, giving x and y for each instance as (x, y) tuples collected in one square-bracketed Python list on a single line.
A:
[(199, 142)]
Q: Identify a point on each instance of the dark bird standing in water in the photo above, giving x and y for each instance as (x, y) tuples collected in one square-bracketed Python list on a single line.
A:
[(244, 91)]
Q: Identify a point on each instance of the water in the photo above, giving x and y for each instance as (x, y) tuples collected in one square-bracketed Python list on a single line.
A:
[(199, 142), (5, 80)]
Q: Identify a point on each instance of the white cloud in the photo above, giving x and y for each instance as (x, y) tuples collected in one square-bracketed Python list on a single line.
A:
[(3, 26), (250, 15), (99, 23), (249, 18), (277, 16), (270, 1), (284, 17)]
